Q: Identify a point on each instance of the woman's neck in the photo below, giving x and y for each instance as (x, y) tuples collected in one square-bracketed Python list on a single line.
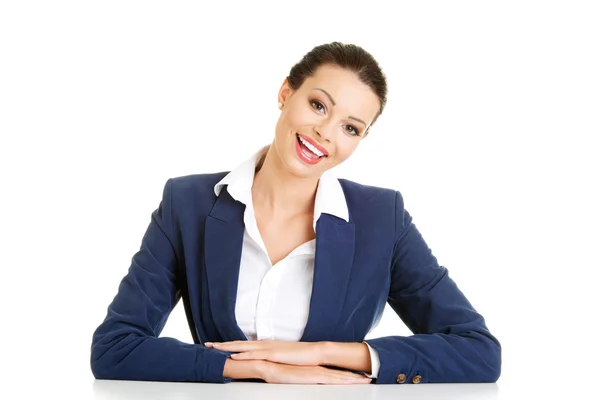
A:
[(282, 193)]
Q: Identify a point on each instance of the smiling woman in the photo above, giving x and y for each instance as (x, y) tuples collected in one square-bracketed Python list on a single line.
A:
[(274, 283), (325, 131)]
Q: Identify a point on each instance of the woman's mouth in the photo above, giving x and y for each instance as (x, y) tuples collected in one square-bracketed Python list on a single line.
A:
[(307, 152)]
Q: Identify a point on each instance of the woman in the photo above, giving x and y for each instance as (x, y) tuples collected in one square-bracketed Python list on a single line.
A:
[(284, 269)]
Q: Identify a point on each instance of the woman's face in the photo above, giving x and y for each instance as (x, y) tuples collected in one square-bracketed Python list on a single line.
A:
[(332, 110)]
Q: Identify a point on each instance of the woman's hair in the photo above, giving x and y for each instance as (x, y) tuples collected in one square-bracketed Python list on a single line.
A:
[(348, 56), (261, 157)]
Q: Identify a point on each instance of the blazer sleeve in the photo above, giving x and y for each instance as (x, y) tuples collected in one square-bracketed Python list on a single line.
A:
[(451, 342), (126, 345)]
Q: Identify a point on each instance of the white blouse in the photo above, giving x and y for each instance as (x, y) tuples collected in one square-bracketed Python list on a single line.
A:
[(273, 300)]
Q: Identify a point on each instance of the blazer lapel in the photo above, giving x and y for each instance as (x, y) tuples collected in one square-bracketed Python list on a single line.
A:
[(223, 240), (334, 256)]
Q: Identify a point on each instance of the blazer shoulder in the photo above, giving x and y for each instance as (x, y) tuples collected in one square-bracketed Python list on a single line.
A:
[(372, 203), (361, 192), (380, 206), (194, 191), (196, 183)]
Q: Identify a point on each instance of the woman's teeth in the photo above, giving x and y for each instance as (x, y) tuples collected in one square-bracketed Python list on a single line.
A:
[(311, 147)]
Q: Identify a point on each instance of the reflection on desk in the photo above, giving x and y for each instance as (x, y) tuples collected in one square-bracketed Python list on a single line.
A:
[(133, 390)]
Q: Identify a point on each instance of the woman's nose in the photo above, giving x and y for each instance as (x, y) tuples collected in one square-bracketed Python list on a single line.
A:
[(323, 132)]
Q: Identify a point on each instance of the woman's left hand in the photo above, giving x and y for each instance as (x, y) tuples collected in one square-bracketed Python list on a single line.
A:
[(284, 352)]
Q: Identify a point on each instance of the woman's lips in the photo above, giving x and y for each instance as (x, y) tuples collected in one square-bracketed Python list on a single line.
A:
[(307, 156), (314, 143)]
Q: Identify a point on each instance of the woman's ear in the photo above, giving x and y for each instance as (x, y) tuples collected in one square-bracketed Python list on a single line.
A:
[(284, 91)]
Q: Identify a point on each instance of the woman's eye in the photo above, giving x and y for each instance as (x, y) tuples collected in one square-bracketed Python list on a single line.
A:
[(318, 104), (352, 130)]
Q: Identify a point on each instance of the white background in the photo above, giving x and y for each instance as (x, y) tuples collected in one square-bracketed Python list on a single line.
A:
[(490, 134)]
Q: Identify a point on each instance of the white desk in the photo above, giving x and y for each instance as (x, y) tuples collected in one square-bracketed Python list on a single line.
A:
[(132, 390)]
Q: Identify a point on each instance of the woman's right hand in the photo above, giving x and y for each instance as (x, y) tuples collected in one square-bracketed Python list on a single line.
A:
[(308, 374)]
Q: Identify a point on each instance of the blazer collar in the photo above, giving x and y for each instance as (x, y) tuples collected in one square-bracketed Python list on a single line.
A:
[(223, 241)]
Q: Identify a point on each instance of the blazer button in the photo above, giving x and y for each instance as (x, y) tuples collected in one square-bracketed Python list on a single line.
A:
[(417, 379), (401, 378)]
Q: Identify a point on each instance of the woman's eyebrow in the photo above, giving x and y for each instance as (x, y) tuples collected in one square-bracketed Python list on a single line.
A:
[(333, 102), (328, 95)]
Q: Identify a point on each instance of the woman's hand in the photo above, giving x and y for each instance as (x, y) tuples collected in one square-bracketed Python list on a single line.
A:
[(294, 353), (302, 374)]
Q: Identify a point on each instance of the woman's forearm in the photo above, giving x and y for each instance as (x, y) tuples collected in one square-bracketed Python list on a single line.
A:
[(245, 369), (352, 356)]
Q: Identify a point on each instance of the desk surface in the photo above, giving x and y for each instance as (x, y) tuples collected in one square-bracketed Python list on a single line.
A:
[(76, 386), (105, 389)]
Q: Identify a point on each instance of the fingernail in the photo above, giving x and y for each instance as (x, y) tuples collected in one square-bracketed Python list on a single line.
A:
[(208, 343)]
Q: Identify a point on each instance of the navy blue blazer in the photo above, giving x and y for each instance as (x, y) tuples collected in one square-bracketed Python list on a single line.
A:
[(192, 249)]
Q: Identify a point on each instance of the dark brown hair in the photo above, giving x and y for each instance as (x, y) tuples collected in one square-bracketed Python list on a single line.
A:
[(349, 56)]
